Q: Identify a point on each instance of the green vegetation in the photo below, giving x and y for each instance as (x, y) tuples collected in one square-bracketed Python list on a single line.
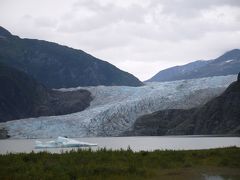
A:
[(122, 164), (58, 66)]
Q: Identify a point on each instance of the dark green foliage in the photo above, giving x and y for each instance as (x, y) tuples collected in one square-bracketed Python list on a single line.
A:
[(19, 94), (21, 97), (58, 66), (108, 164)]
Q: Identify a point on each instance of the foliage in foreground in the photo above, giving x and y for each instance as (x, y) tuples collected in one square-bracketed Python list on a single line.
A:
[(121, 164)]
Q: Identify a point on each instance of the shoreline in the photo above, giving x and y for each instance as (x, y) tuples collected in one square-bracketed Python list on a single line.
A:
[(4, 136)]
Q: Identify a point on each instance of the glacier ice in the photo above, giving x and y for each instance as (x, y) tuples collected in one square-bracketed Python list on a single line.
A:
[(115, 108), (62, 142)]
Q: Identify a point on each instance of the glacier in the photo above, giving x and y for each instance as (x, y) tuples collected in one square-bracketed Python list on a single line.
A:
[(114, 109), (62, 142)]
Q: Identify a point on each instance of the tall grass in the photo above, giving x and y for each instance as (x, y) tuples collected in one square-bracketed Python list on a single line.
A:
[(117, 164)]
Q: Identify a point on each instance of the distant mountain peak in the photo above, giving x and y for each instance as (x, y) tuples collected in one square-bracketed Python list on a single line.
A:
[(4, 32), (226, 64), (229, 55), (58, 66), (234, 51)]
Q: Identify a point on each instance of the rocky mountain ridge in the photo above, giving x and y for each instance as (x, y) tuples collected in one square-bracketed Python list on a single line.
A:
[(226, 64), (58, 66)]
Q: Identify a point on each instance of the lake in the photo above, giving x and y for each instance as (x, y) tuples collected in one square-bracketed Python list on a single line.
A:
[(145, 143)]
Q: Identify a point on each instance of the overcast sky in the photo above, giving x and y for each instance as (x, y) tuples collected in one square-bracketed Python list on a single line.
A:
[(138, 36)]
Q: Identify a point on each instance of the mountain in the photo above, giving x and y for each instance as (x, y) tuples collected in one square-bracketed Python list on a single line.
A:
[(4, 33), (228, 63), (220, 115), (115, 109), (21, 97), (58, 66), (173, 73)]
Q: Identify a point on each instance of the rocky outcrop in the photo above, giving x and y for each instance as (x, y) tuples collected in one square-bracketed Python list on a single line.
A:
[(159, 123), (58, 66), (21, 97), (3, 133), (221, 115)]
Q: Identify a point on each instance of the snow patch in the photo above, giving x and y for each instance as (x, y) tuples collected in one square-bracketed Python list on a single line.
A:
[(228, 61)]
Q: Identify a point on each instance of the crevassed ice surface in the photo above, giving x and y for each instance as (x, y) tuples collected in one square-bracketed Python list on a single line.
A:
[(115, 108)]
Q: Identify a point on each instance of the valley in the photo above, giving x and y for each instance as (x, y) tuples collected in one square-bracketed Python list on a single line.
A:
[(114, 109), (117, 90)]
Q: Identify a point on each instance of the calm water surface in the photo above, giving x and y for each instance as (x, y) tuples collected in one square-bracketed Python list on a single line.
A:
[(136, 143)]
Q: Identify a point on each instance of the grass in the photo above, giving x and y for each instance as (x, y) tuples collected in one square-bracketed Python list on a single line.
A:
[(122, 164)]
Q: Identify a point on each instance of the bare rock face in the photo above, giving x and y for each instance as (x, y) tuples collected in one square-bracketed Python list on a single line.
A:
[(220, 115), (3, 133)]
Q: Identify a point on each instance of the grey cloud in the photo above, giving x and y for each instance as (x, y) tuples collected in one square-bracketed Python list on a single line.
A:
[(190, 8), (45, 22), (131, 34), (104, 15), (163, 25), (27, 16)]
